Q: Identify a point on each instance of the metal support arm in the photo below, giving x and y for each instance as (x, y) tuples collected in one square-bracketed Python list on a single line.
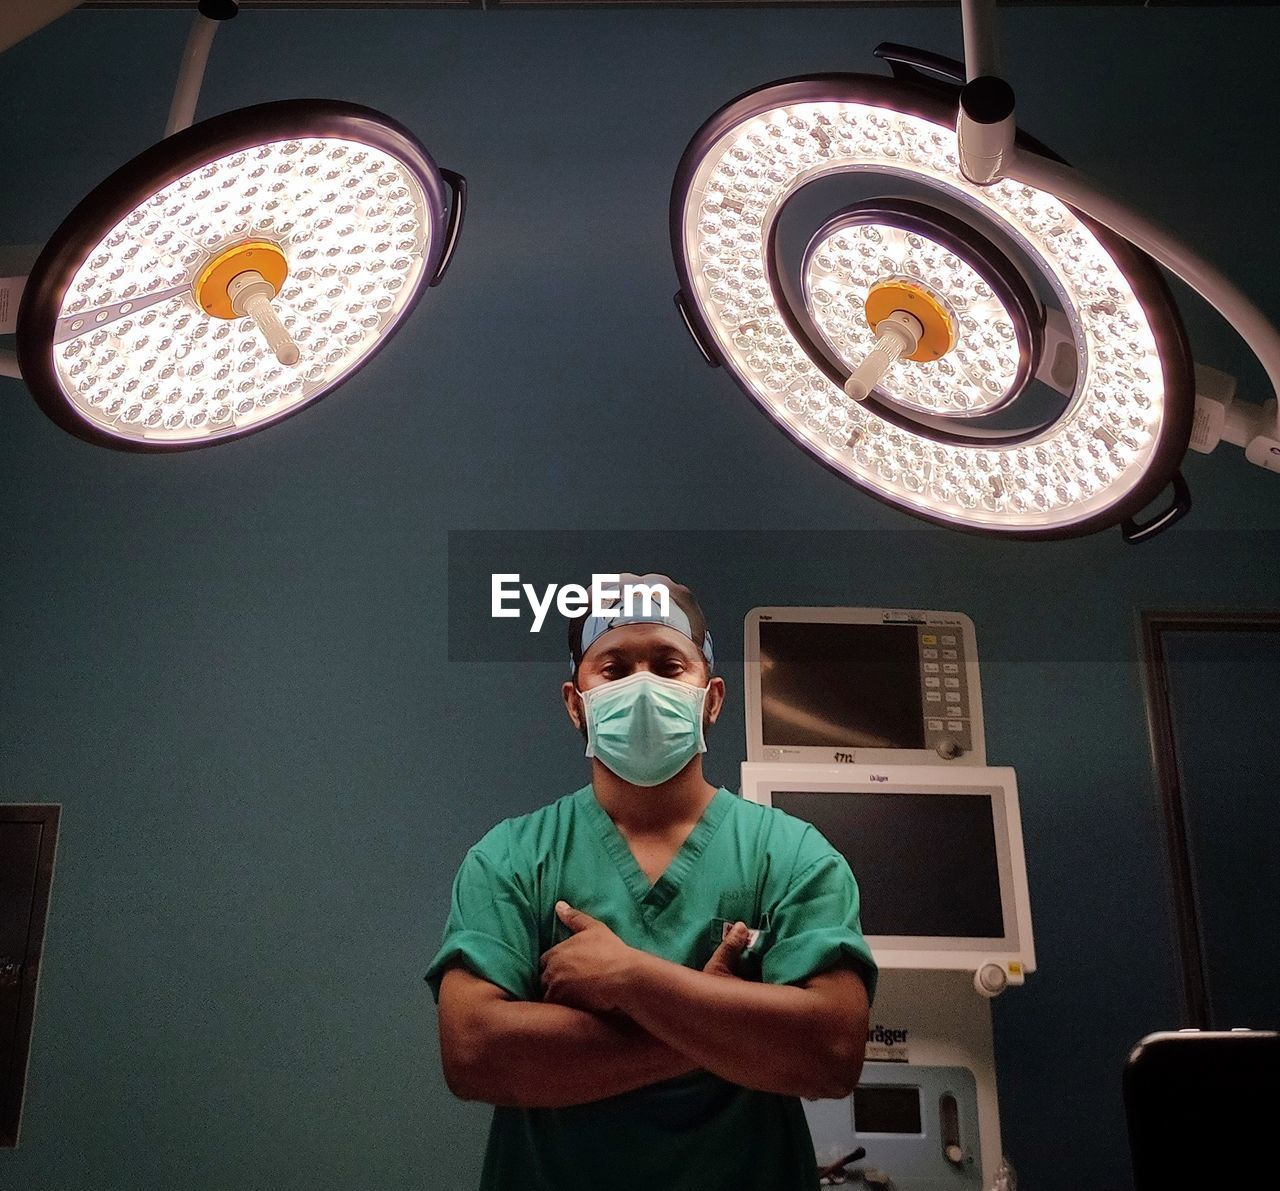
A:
[(195, 57)]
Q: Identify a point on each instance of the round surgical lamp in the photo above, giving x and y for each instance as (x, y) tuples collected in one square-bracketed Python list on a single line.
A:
[(913, 346), (235, 272)]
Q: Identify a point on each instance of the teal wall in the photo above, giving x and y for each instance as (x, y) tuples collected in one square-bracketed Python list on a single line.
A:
[(232, 667)]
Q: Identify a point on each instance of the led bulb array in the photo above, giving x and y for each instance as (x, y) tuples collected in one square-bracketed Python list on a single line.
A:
[(977, 375), (233, 273), (737, 176), (353, 224)]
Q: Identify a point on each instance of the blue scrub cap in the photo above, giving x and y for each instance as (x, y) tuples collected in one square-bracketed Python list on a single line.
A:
[(683, 615)]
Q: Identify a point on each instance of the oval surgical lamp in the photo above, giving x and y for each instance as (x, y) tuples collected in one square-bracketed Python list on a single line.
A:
[(1001, 355), (235, 272)]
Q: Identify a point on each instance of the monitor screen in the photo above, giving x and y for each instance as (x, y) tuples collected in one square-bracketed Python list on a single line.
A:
[(926, 864), (830, 685), (886, 1110)]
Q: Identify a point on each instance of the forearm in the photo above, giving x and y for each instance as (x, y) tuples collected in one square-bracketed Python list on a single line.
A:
[(774, 1038), (537, 1055)]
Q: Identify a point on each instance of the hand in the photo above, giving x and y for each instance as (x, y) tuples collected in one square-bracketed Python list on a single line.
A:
[(724, 962), (590, 969)]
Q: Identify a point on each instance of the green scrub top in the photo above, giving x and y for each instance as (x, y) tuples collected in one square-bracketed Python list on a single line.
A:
[(741, 862)]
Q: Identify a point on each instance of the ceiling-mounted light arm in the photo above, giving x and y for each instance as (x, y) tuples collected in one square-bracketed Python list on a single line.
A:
[(1262, 338), (15, 266), (985, 132), (1221, 418), (981, 53), (985, 127), (195, 57)]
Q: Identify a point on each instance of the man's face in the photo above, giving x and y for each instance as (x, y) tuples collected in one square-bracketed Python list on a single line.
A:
[(632, 648)]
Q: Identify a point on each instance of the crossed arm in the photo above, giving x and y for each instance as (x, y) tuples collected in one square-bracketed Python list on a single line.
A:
[(614, 1018)]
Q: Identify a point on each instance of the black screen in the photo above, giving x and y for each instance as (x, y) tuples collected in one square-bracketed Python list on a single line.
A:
[(840, 685), (886, 1110), (926, 864), (1217, 1090)]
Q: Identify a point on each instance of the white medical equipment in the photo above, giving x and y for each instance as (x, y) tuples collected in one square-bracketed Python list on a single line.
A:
[(863, 685), (926, 1043), (937, 853), (840, 734)]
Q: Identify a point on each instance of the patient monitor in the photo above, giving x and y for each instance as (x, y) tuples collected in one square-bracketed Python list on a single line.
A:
[(938, 857), (864, 685), (867, 723)]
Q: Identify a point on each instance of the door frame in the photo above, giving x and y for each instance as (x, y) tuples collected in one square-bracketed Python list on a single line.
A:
[(12, 1093), (1164, 760)]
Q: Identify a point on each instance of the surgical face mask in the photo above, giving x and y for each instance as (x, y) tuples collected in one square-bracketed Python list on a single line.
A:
[(643, 727)]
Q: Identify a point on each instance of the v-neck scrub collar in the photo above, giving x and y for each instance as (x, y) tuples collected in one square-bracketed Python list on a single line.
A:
[(658, 895)]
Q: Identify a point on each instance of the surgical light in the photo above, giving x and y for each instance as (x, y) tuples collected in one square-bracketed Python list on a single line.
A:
[(234, 273), (902, 350)]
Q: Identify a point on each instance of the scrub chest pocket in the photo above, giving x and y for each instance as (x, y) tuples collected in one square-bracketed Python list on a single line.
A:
[(739, 905)]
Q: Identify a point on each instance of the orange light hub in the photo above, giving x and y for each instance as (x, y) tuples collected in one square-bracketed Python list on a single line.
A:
[(260, 256), (939, 335)]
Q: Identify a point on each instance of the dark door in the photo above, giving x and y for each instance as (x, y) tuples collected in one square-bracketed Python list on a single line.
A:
[(1215, 722), (27, 838)]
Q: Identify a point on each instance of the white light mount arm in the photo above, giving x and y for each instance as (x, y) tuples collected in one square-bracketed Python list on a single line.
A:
[(985, 125), (15, 266), (1220, 418), (1262, 338), (195, 56), (981, 51), (985, 131)]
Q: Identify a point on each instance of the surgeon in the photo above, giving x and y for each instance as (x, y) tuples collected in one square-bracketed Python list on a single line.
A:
[(647, 975)]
